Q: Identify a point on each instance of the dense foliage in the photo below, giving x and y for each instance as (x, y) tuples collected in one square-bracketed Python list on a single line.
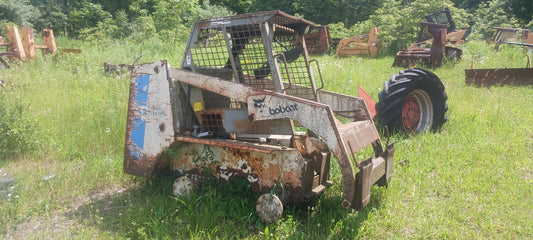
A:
[(16, 130), (170, 20)]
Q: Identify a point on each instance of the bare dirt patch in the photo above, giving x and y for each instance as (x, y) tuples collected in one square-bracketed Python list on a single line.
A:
[(67, 222)]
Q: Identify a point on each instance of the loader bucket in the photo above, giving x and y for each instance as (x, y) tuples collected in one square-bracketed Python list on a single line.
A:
[(499, 76), (363, 45)]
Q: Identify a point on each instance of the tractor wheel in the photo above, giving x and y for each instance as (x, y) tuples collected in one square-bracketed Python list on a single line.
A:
[(413, 101)]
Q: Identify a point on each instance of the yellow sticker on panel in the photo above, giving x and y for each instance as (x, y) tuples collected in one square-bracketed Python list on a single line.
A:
[(198, 106)]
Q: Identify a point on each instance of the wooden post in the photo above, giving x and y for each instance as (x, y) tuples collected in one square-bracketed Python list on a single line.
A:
[(49, 42), (28, 42), (13, 37)]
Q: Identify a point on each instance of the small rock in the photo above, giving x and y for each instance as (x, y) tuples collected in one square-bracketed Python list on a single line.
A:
[(6, 183)]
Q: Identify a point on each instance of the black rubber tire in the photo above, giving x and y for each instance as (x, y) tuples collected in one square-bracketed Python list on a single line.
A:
[(393, 97)]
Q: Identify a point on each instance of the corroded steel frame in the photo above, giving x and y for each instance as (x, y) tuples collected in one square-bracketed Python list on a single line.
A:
[(277, 138), (499, 77), (363, 45)]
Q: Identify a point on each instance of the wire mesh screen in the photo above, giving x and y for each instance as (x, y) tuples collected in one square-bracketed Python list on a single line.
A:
[(210, 56), (296, 69), (512, 35), (212, 122), (243, 49), (250, 58)]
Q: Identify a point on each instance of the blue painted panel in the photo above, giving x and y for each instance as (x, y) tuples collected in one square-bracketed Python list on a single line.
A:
[(138, 128), (141, 94)]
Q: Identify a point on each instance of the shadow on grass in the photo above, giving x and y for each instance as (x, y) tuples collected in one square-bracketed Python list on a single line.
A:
[(325, 218), (223, 210)]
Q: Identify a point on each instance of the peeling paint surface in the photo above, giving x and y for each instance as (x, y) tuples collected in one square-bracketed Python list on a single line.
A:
[(264, 168), (149, 128)]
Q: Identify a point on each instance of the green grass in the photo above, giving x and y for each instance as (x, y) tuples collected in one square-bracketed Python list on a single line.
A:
[(471, 180)]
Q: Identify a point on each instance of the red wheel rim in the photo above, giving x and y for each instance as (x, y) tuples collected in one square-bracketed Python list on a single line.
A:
[(411, 112)]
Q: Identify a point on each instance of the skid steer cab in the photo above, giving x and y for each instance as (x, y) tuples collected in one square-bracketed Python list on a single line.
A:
[(246, 102)]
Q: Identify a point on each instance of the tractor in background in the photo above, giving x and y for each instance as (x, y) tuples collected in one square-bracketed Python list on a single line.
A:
[(440, 33)]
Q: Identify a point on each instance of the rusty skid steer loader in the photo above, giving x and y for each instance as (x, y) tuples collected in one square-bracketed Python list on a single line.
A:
[(246, 102)]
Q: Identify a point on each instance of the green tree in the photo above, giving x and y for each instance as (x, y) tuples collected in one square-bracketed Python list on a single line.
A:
[(348, 12), (208, 10), (323, 12), (489, 15), (52, 16), (86, 15), (522, 10), (266, 5), (468, 5), (143, 29), (170, 18), (173, 20), (113, 6), (237, 6), (124, 26), (139, 8), (400, 23), (19, 12)]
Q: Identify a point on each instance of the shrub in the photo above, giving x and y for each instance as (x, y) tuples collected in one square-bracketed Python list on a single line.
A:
[(86, 16), (490, 15), (19, 12), (400, 23), (16, 130)]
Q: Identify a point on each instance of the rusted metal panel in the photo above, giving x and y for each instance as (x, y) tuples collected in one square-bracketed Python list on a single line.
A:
[(245, 146), (318, 40), (428, 56), (388, 156), (313, 115), (273, 17), (516, 36), (28, 42), (149, 127), (49, 42), (13, 37), (232, 90), (364, 45), (267, 105), (357, 135), (264, 166), (317, 117), (499, 76), (363, 184), (350, 107), (379, 168)]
